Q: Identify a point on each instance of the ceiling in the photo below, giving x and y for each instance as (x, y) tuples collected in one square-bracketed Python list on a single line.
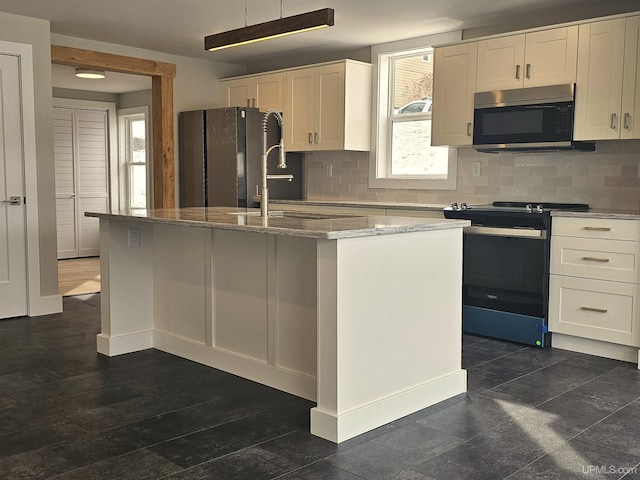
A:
[(179, 26)]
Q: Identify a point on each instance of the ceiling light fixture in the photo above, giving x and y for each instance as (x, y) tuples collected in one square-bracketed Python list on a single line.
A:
[(87, 73), (272, 29)]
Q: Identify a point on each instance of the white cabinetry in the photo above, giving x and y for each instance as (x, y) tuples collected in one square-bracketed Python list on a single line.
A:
[(608, 84), (595, 277), (546, 57), (454, 86), (328, 107), (260, 91)]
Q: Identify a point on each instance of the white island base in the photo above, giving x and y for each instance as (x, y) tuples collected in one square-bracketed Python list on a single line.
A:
[(368, 327)]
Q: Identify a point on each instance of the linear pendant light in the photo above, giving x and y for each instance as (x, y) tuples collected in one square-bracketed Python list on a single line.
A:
[(272, 29)]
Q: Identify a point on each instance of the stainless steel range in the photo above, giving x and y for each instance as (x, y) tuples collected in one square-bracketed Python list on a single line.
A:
[(506, 268)]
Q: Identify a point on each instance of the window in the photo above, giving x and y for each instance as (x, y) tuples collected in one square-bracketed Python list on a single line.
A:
[(135, 174), (403, 156)]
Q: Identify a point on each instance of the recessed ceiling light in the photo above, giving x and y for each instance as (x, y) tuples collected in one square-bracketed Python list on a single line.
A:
[(87, 73)]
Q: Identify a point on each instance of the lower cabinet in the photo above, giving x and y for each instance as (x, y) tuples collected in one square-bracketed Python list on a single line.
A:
[(594, 284)]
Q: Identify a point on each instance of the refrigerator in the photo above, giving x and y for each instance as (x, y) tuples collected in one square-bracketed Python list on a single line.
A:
[(220, 154)]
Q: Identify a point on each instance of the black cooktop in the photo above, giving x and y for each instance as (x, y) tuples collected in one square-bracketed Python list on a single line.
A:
[(511, 214)]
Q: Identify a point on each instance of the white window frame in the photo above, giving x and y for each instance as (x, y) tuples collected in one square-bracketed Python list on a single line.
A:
[(380, 154), (123, 114)]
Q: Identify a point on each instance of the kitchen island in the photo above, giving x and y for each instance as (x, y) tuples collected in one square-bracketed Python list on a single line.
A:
[(360, 314)]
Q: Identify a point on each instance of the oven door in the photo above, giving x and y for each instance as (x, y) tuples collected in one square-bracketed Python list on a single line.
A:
[(505, 283)]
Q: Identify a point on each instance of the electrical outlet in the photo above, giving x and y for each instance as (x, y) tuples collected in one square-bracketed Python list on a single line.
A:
[(475, 170), (134, 237), (328, 170)]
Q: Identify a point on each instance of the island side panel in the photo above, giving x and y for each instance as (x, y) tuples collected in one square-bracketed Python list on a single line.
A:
[(240, 294), (126, 288), (180, 291), (295, 324), (257, 329), (390, 329)]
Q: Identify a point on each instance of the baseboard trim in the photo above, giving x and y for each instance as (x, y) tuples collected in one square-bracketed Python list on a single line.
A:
[(598, 348), (132, 342), (340, 427), (288, 381), (45, 305)]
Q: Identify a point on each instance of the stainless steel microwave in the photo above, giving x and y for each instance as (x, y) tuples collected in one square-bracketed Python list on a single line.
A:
[(526, 119)]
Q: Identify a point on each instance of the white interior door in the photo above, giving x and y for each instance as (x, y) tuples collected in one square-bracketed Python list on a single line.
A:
[(82, 180), (13, 263), (65, 182)]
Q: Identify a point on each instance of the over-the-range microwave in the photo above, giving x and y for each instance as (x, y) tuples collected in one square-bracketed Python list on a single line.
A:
[(526, 119)]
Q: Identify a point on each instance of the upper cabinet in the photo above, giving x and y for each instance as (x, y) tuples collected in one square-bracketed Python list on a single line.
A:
[(546, 57), (631, 80), (260, 91), (608, 83), (328, 107), (453, 87)]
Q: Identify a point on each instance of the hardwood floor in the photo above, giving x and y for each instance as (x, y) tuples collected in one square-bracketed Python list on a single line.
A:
[(79, 276)]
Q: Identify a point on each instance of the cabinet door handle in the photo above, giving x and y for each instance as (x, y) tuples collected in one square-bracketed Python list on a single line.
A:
[(469, 129), (597, 310), (310, 138), (596, 259), (627, 121), (598, 229), (518, 72), (614, 121), (315, 138), (528, 71)]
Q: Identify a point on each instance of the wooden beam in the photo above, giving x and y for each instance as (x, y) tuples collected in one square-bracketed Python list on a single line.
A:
[(161, 74), (163, 143), (77, 57)]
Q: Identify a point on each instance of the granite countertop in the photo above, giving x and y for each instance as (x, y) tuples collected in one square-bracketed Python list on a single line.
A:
[(297, 224), (349, 203), (599, 213)]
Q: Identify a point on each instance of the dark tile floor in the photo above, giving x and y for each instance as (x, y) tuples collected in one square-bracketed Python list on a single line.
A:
[(69, 413)]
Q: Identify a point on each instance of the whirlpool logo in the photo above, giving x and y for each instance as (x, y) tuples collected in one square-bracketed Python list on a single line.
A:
[(492, 297)]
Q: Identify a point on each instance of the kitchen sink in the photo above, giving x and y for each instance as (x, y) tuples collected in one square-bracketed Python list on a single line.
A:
[(308, 215), (296, 214)]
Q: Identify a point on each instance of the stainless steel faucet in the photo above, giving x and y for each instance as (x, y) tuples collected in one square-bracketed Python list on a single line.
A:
[(282, 161)]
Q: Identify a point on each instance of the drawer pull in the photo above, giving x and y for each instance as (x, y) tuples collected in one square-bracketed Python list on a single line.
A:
[(597, 310), (596, 259), (598, 229)]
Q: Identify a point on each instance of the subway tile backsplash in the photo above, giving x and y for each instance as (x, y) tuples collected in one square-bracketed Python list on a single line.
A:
[(608, 178)]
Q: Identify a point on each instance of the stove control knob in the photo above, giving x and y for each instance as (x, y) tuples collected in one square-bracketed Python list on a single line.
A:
[(454, 206), (528, 208), (539, 209), (464, 206)]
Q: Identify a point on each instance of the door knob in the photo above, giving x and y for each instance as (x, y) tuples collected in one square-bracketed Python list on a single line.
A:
[(15, 200)]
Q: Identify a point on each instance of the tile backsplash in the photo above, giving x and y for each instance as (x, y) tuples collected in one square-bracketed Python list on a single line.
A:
[(608, 178)]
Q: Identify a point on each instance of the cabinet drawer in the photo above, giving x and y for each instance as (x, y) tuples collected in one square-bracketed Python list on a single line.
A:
[(594, 258), (593, 309), (613, 229)]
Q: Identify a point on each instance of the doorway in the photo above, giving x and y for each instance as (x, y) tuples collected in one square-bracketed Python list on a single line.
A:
[(83, 154)]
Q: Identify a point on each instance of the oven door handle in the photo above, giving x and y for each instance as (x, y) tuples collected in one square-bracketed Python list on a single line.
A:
[(507, 232)]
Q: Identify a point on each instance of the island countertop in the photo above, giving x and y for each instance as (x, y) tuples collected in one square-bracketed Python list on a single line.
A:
[(296, 224)]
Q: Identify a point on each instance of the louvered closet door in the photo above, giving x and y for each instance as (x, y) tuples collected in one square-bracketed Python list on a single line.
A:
[(81, 160)]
